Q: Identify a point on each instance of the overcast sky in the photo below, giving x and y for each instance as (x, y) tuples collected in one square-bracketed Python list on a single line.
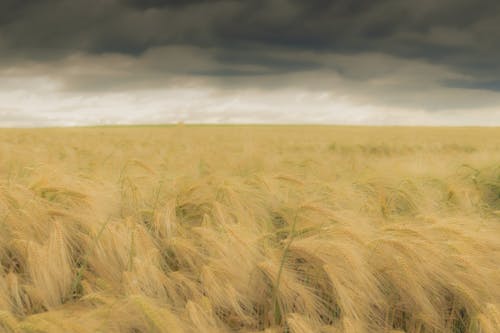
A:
[(80, 62)]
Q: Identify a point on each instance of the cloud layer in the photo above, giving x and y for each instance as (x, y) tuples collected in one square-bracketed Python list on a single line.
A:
[(433, 57)]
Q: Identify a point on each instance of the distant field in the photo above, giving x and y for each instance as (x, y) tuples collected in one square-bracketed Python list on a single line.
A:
[(250, 229)]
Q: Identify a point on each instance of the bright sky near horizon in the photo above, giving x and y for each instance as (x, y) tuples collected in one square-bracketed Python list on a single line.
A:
[(88, 62)]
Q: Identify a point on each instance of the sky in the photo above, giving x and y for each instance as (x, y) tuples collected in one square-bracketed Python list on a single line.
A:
[(360, 62)]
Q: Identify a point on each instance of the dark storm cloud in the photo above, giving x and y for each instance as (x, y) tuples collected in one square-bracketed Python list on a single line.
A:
[(491, 85), (146, 4), (257, 38)]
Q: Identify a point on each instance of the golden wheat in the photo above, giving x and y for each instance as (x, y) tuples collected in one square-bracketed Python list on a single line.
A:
[(250, 229)]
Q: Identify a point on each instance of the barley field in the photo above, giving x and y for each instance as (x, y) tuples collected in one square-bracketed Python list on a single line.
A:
[(250, 229)]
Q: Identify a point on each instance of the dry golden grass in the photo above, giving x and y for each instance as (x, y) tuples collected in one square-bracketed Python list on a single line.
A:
[(250, 229)]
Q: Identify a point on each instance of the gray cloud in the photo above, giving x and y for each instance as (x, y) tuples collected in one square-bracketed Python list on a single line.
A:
[(425, 54), (491, 85), (425, 29)]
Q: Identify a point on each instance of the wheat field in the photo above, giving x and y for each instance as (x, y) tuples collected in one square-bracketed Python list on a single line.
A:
[(250, 229)]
